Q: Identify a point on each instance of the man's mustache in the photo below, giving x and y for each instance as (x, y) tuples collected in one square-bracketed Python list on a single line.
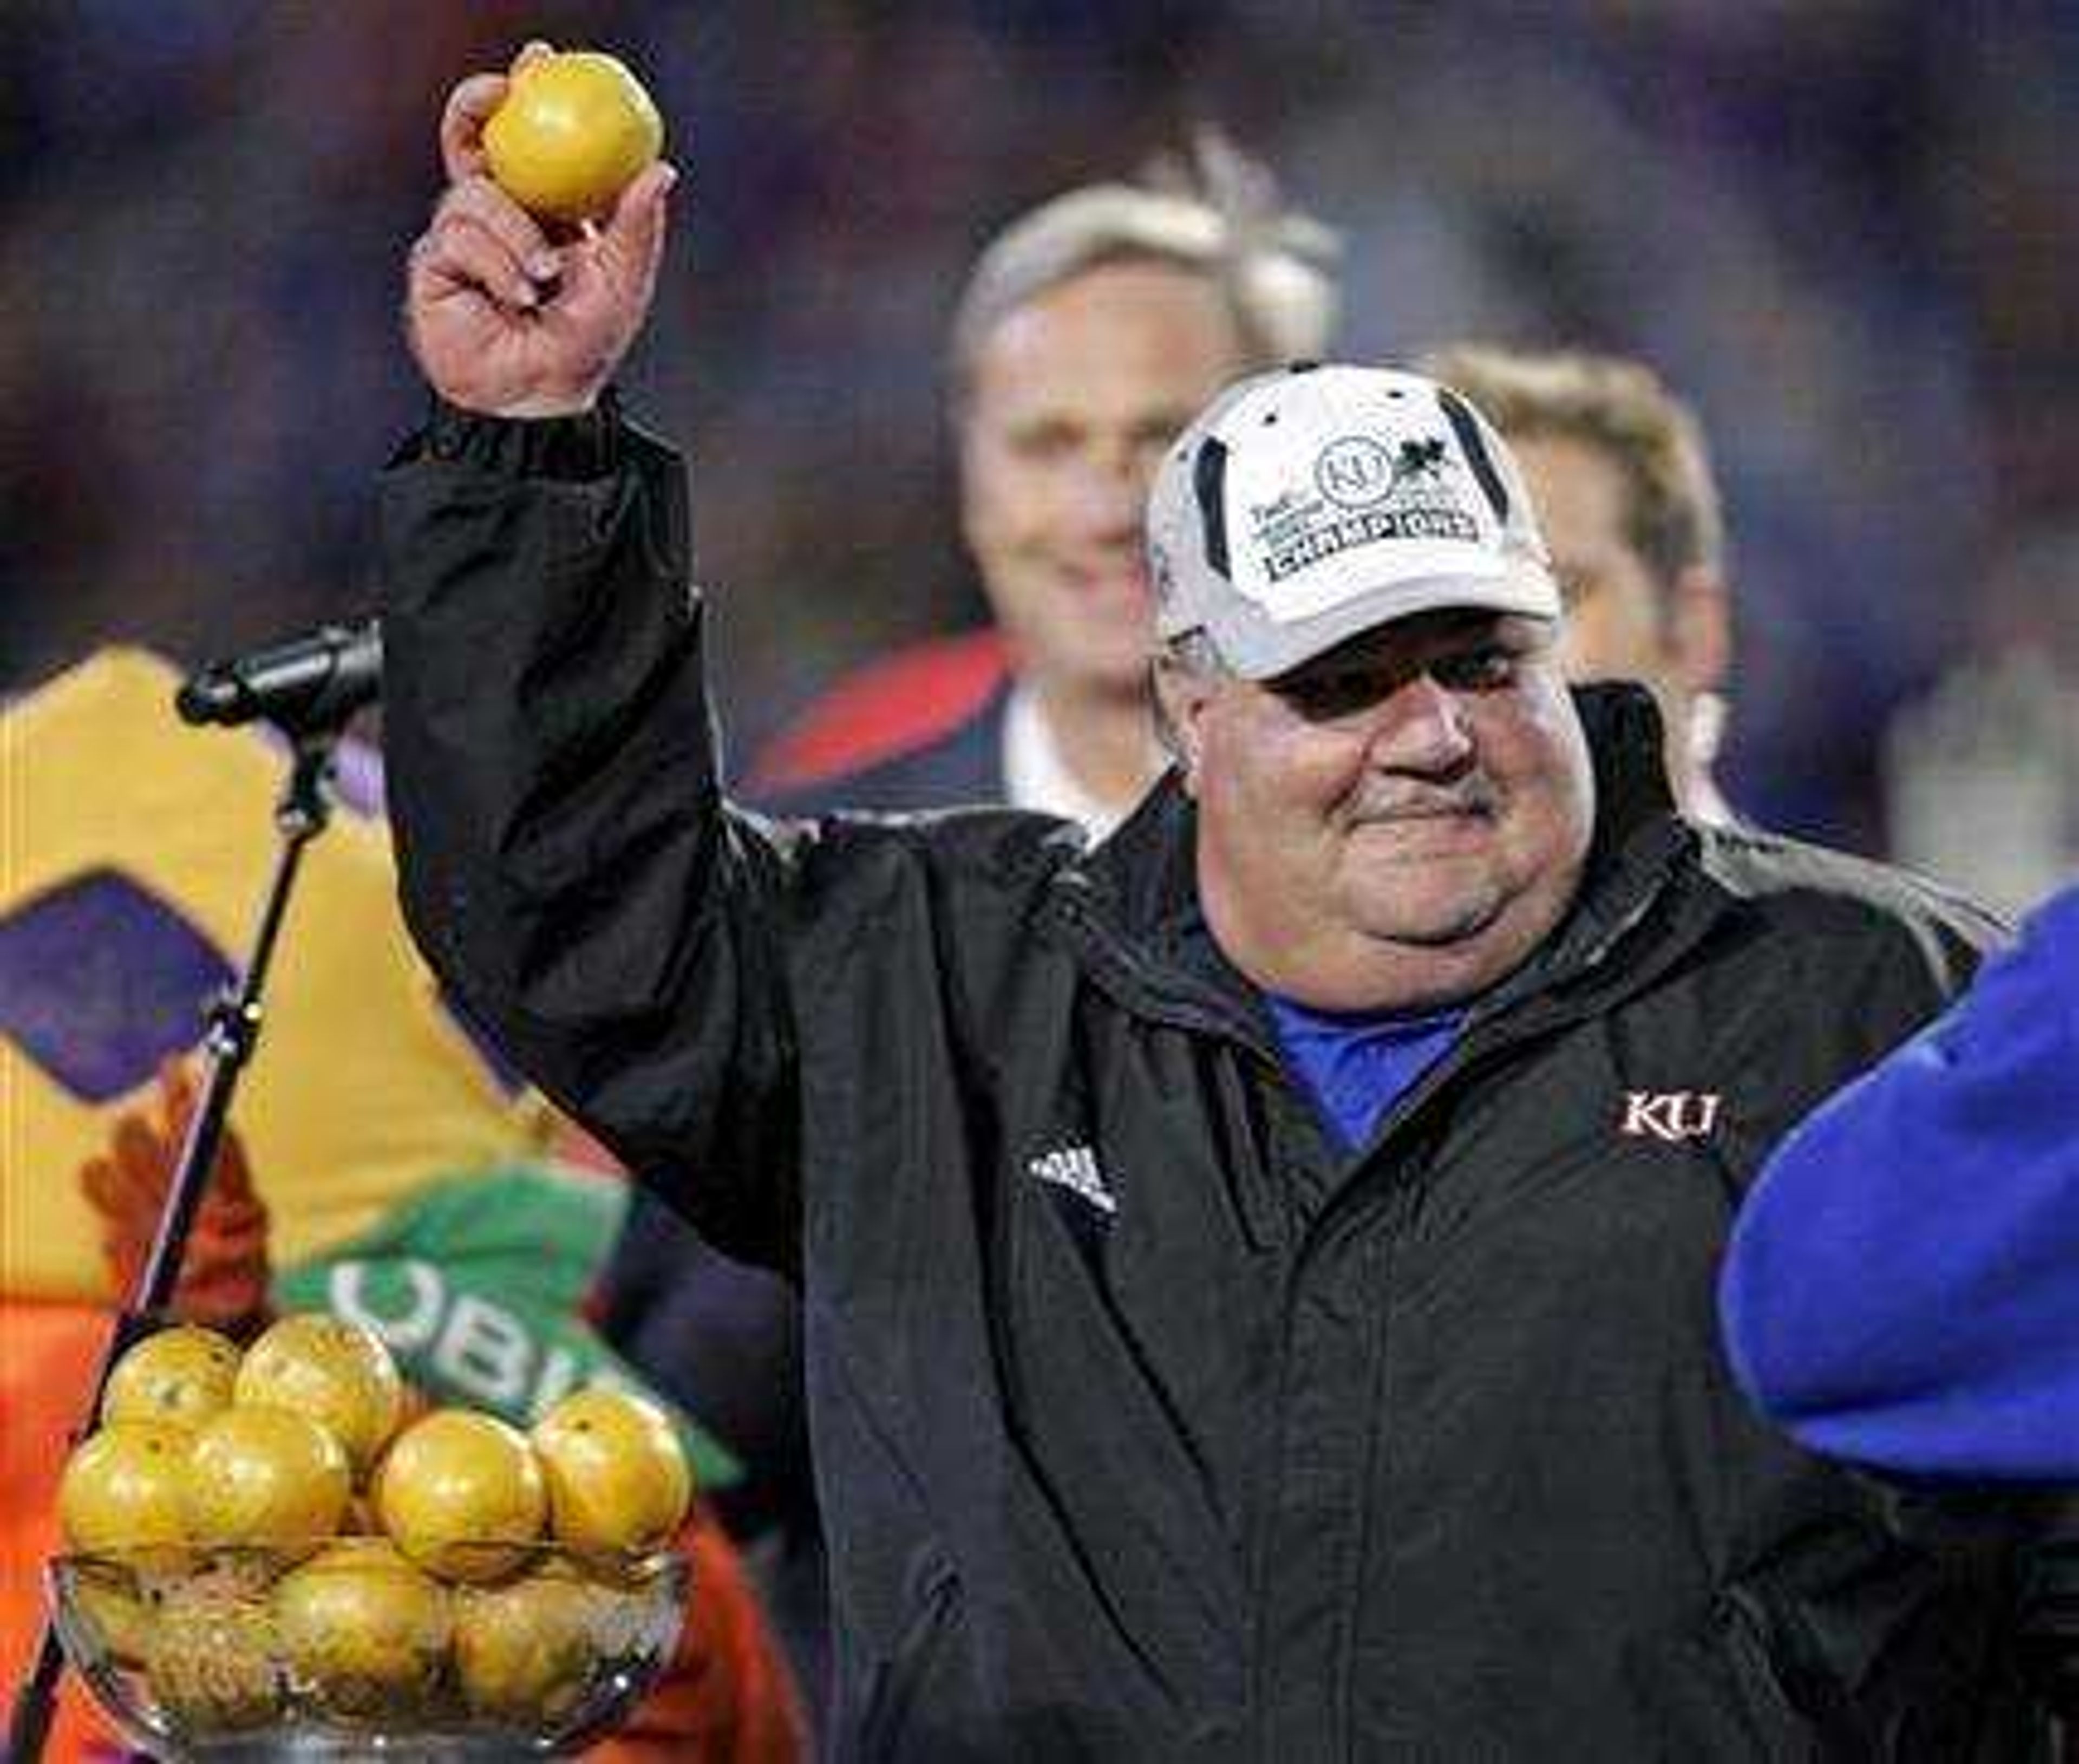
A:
[(1424, 802)]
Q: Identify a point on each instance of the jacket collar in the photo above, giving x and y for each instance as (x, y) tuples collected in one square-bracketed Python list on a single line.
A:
[(1133, 902)]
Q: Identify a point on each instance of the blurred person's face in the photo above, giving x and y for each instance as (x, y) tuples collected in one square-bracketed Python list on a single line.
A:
[(1623, 622), (1396, 825), (1072, 399)]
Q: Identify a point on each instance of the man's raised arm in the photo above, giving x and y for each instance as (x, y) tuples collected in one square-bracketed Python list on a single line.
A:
[(568, 865)]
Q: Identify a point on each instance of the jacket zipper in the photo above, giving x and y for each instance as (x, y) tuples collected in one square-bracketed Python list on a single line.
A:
[(1514, 1025)]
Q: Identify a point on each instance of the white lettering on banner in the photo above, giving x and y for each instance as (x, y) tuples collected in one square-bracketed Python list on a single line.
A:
[(346, 1289), (487, 1350), (559, 1377), (481, 1349), (1671, 1115)]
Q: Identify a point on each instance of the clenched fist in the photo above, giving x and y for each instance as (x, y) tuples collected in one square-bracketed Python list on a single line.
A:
[(505, 319)]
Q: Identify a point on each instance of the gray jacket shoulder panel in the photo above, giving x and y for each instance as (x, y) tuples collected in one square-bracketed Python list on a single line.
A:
[(1836, 895)]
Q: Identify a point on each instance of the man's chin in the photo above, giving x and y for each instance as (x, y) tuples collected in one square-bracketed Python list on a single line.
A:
[(1439, 928)]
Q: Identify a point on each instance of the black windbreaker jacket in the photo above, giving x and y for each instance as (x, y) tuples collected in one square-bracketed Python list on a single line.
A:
[(1147, 1425)]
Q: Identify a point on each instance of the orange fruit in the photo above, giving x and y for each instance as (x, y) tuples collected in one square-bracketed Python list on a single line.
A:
[(338, 1372), (455, 1486), (212, 1665), (617, 1476), (124, 1487), (364, 1630), (526, 1652), (573, 129), (264, 1476), (181, 1376), (124, 1619)]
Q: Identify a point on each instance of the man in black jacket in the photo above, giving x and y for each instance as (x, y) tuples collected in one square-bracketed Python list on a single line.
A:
[(1258, 1273), (1091, 330)]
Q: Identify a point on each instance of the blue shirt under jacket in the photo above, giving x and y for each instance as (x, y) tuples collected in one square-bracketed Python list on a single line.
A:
[(1902, 1287), (1357, 1068)]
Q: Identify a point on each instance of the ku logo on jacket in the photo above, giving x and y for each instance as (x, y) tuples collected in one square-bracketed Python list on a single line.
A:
[(1671, 1115)]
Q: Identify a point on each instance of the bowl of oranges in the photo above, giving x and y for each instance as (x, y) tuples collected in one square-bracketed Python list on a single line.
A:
[(269, 1556)]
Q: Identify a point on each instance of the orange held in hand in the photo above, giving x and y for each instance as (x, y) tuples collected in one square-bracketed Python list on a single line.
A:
[(574, 128)]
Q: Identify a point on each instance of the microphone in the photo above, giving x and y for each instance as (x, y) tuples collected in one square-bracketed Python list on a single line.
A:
[(309, 682)]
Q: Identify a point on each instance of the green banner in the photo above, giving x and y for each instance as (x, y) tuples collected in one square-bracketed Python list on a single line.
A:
[(478, 1284)]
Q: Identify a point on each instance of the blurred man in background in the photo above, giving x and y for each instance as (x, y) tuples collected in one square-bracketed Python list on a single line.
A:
[(1089, 331), (1618, 468)]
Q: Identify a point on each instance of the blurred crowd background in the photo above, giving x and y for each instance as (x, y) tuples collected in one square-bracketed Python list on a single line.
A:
[(1845, 228)]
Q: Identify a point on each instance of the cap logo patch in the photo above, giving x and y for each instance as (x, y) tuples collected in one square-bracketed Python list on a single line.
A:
[(1355, 471), (1366, 493)]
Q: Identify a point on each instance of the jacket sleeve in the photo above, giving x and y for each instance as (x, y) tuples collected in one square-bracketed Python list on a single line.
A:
[(567, 864), (1899, 1291)]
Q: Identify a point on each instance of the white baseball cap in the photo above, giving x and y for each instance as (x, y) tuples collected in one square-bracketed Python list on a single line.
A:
[(1309, 504)]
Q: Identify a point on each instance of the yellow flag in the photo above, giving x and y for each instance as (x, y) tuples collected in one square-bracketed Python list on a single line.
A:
[(135, 854)]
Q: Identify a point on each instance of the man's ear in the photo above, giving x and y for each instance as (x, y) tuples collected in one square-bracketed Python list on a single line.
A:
[(1699, 630), (1180, 696)]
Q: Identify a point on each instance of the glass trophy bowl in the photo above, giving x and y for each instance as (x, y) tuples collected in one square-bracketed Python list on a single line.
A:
[(326, 1650)]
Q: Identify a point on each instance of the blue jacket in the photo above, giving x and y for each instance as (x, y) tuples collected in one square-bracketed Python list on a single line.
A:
[(1902, 1289)]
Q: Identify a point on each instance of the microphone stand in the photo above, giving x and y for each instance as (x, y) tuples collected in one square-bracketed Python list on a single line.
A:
[(232, 1020)]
